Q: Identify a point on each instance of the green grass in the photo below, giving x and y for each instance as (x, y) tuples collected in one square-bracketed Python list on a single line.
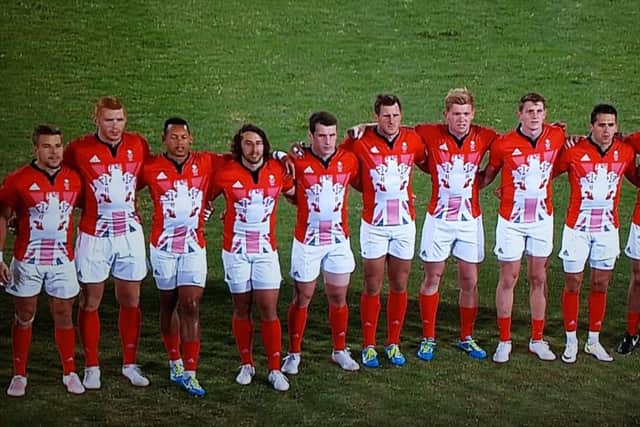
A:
[(273, 62)]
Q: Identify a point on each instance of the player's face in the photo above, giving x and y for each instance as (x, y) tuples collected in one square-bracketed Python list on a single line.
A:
[(48, 151), (323, 140), (252, 148), (604, 129), (459, 119), (177, 140), (532, 116), (389, 119), (111, 124)]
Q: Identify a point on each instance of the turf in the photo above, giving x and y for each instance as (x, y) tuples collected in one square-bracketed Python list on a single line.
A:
[(220, 64)]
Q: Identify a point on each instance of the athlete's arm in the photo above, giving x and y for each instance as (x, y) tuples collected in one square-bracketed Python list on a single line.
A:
[(486, 176), (5, 214)]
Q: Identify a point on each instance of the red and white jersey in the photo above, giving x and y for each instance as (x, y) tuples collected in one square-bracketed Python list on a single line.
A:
[(385, 174), (595, 179), (110, 177), (251, 203), (453, 165), (527, 168), (634, 141), (44, 205), (179, 193), (321, 197)]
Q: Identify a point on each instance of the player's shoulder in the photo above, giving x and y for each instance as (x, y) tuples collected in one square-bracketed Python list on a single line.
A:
[(70, 173), (82, 141), (484, 131), (18, 174)]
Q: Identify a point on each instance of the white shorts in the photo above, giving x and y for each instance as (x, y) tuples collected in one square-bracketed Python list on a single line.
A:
[(396, 240), (632, 250), (463, 239), (122, 256), (534, 239), (601, 248), (308, 260), (171, 270), (245, 272), (59, 281)]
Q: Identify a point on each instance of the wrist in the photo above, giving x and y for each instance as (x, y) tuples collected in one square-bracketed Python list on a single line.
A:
[(279, 155)]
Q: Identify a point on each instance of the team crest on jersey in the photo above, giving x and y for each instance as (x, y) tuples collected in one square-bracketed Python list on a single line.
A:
[(404, 146), (391, 183), (456, 179), (49, 223), (547, 144), (472, 145), (530, 180), (324, 201), (616, 156), (130, 155), (194, 169), (339, 166), (272, 180), (115, 193), (598, 189), (65, 183), (252, 222), (181, 207)]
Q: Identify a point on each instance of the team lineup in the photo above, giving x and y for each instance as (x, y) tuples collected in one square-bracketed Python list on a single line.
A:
[(102, 173)]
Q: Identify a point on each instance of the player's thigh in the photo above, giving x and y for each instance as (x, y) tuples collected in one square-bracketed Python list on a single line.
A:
[(164, 266), (632, 249), (339, 261), (437, 239), (575, 249), (192, 269), (94, 258), (130, 261), (374, 241), (510, 240), (306, 261), (605, 248), (237, 272), (265, 271), (61, 281), (539, 242), (403, 241), (26, 280), (469, 244)]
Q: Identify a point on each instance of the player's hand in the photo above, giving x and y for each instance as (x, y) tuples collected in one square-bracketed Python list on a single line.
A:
[(562, 125), (12, 225), (357, 131), (4, 274), (296, 151), (209, 209), (498, 192), (571, 140), (221, 216)]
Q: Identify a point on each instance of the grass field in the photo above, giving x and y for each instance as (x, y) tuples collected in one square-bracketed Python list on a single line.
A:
[(220, 64)]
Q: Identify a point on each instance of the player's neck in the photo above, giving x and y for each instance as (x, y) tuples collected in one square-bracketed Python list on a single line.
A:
[(47, 169), (106, 140), (604, 146), (177, 159), (323, 157), (458, 135), (386, 135), (251, 166), (531, 134)]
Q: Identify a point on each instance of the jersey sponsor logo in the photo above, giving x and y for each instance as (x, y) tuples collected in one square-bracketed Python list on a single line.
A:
[(443, 147), (516, 152), (237, 184), (94, 159), (34, 187), (308, 169), (585, 158), (161, 175), (374, 150)]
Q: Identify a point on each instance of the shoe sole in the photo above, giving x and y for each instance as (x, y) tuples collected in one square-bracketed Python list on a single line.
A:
[(598, 359), (540, 358), (569, 361)]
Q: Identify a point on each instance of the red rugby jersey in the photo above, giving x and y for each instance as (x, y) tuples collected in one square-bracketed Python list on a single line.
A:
[(179, 193), (44, 205), (110, 178), (251, 203), (453, 165), (526, 173), (322, 196), (595, 179), (634, 141), (385, 174)]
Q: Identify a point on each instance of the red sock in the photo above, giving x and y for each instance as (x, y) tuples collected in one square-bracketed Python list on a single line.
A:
[(339, 318), (504, 327), (570, 309), (66, 343), (272, 341), (172, 346), (243, 333), (597, 306), (21, 341), (428, 311), (297, 320), (396, 310), (129, 327), (467, 321), (537, 329), (191, 351), (633, 319), (369, 312), (89, 326)]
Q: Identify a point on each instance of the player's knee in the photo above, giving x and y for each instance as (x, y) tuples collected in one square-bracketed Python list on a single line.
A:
[(190, 307), (24, 318)]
